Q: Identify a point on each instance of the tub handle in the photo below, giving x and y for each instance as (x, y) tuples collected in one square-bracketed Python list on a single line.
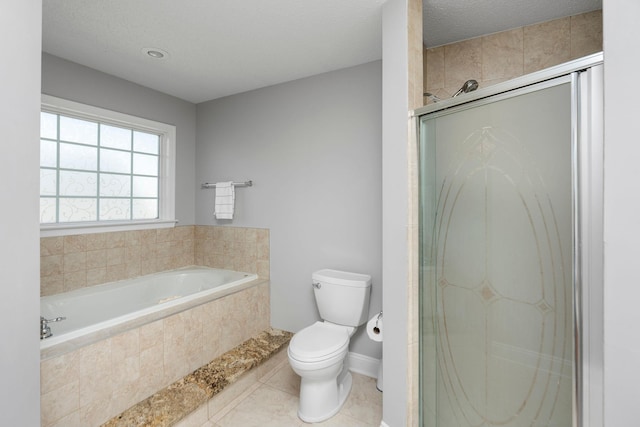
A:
[(57, 319), (45, 330)]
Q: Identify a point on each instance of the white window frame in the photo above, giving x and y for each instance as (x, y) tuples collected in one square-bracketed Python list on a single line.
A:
[(167, 172)]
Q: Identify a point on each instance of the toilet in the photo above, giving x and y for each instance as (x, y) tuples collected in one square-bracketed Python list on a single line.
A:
[(317, 353)]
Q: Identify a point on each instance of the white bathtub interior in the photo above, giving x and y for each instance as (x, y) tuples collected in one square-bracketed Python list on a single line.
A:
[(95, 313)]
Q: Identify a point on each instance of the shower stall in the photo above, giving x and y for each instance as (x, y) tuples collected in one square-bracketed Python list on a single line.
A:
[(510, 191)]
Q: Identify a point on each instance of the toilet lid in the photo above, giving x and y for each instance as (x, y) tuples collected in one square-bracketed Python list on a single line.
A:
[(319, 341)]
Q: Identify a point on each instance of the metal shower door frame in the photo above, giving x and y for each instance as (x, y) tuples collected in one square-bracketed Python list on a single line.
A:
[(587, 141)]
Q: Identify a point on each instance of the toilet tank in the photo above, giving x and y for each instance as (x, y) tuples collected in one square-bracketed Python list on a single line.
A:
[(342, 297)]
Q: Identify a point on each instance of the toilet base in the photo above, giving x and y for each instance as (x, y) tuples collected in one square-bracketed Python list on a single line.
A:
[(320, 401)]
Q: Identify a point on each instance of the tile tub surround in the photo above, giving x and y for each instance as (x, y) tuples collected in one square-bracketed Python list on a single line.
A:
[(498, 57), (178, 400), (72, 262), (92, 384), (233, 248)]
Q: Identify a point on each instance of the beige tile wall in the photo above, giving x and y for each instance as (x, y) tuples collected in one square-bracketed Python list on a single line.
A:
[(502, 56), (413, 277), (234, 248), (90, 385), (415, 47), (72, 262), (416, 78)]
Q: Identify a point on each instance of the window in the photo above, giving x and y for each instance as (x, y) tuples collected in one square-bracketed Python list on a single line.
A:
[(100, 168)]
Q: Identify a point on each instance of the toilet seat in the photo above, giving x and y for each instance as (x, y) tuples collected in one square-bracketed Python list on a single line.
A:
[(319, 342)]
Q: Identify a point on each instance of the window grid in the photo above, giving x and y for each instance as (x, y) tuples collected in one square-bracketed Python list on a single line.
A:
[(98, 202), (57, 218), (99, 172)]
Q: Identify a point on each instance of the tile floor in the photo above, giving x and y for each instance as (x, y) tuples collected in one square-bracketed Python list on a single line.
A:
[(272, 400)]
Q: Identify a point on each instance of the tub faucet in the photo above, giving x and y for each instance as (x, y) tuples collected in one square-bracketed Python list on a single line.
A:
[(45, 330)]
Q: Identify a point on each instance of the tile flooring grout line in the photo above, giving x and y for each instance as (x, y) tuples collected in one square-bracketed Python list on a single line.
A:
[(235, 402), (266, 377)]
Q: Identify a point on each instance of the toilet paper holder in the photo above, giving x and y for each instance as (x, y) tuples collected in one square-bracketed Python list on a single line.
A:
[(376, 329)]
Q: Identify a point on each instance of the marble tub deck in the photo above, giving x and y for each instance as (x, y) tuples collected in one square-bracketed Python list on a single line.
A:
[(173, 403)]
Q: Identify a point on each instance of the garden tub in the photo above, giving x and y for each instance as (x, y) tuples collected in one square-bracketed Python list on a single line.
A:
[(98, 312)]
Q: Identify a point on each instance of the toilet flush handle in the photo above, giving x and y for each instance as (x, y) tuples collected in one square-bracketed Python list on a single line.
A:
[(316, 285)]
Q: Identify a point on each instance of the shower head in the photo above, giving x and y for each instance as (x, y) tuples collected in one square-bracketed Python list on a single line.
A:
[(468, 86)]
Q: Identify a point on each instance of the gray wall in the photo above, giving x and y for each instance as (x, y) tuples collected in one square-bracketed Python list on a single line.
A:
[(313, 149), (395, 92), (20, 28), (78, 83), (621, 213)]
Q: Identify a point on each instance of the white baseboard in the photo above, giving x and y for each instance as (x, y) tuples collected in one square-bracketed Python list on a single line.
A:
[(383, 424), (365, 365)]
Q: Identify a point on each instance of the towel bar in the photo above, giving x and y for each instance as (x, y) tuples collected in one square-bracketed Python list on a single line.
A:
[(235, 184)]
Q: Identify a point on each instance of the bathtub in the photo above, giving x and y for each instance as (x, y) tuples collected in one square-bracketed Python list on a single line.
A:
[(102, 311)]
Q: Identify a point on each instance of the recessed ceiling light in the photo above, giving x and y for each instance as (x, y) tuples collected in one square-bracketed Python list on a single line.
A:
[(155, 53)]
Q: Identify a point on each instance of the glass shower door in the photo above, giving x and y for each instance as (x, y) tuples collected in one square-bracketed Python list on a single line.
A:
[(496, 260)]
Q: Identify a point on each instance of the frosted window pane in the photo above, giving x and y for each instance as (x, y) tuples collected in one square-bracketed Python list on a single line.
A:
[(146, 142), (78, 183), (78, 157), (48, 125), (115, 185), (91, 160), (113, 209), (47, 210), (145, 209), (72, 210), (115, 161), (115, 137), (48, 180), (48, 153), (76, 130), (145, 165), (145, 187)]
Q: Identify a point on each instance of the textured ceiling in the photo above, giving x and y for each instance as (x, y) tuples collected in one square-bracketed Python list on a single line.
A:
[(448, 21), (222, 47), (216, 48)]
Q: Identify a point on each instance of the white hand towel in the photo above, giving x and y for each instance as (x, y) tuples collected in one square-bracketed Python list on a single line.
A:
[(225, 198)]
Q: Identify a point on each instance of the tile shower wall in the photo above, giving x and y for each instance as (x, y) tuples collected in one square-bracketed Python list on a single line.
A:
[(502, 56), (416, 77), (72, 262), (92, 384)]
